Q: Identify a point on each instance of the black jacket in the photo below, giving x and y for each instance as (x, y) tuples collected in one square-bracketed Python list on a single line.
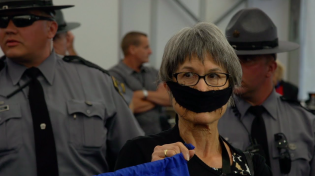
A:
[(139, 151)]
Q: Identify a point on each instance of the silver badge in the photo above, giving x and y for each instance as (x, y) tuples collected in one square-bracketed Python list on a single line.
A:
[(4, 108), (5, 7), (42, 126)]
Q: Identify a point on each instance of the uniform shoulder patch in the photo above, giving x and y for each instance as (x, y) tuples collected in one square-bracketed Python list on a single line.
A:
[(116, 85), (119, 87), (80, 60), (2, 64)]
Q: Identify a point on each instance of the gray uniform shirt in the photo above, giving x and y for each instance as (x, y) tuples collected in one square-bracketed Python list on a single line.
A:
[(297, 124), (145, 79), (90, 120)]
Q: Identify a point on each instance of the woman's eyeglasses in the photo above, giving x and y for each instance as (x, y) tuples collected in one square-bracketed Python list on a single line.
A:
[(21, 20), (211, 79), (284, 154)]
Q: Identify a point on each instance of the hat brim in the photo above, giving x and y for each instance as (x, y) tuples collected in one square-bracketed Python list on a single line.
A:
[(69, 27), (37, 8), (283, 46)]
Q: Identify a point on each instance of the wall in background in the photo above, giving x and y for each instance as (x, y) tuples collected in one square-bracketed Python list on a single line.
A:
[(98, 36), (104, 23)]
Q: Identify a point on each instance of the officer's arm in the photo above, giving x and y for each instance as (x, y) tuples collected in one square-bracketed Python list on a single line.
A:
[(121, 126)]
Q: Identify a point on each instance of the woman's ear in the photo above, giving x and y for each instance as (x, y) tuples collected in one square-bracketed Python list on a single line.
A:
[(166, 86)]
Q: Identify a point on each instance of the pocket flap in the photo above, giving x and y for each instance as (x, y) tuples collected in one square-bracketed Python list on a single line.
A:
[(9, 112), (88, 108), (297, 151)]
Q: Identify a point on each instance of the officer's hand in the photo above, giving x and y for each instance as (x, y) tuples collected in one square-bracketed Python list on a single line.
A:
[(168, 150), (70, 44), (70, 40)]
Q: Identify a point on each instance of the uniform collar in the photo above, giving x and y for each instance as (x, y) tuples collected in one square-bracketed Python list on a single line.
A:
[(269, 104), (47, 68), (129, 70)]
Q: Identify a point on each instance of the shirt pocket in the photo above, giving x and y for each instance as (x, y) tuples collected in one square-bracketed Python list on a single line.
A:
[(86, 124), (10, 128), (300, 157)]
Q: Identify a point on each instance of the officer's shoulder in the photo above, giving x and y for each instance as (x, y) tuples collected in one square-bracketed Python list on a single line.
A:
[(82, 61), (293, 103), (290, 101)]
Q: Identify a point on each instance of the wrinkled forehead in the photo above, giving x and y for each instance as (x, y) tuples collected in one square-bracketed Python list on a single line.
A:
[(205, 56)]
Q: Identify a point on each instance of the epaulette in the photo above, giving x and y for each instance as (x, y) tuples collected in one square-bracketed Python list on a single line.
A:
[(291, 101), (295, 102), (78, 59), (2, 62)]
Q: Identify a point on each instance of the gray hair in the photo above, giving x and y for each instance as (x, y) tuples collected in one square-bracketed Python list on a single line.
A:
[(201, 39)]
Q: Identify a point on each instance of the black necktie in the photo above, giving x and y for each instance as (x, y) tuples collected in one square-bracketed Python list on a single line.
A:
[(258, 131), (45, 148)]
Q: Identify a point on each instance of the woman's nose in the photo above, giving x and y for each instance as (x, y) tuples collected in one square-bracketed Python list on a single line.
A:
[(202, 85)]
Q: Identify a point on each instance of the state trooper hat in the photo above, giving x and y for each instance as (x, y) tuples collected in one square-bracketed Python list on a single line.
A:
[(15, 5), (63, 26), (252, 32)]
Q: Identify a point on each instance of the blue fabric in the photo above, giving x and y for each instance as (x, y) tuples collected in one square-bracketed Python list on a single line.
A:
[(190, 146), (170, 166)]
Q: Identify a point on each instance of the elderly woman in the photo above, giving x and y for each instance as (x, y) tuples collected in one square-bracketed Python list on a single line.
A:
[(200, 71)]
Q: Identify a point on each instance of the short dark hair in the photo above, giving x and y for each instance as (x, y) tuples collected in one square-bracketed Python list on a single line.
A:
[(131, 38)]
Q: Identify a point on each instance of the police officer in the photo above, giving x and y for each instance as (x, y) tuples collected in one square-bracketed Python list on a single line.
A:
[(64, 39), (57, 116), (148, 98), (261, 120)]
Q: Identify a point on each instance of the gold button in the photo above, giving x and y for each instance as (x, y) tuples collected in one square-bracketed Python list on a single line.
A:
[(236, 34), (88, 103)]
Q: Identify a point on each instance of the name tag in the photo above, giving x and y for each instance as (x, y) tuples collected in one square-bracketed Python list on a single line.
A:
[(4, 108)]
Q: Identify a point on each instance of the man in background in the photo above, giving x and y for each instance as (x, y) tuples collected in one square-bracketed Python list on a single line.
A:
[(64, 39), (148, 97)]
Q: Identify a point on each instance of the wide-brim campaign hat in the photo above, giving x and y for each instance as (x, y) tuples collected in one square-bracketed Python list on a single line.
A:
[(64, 26), (15, 5), (252, 32)]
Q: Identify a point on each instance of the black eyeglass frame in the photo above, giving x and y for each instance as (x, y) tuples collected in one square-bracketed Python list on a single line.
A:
[(32, 18), (204, 76)]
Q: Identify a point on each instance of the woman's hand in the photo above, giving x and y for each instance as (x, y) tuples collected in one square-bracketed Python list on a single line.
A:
[(168, 150)]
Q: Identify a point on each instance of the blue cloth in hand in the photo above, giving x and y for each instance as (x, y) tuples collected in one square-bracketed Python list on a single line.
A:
[(170, 166), (190, 146)]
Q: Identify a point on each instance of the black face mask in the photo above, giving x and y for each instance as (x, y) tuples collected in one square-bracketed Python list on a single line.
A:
[(198, 101)]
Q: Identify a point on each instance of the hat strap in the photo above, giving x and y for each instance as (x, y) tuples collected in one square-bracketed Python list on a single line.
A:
[(254, 45), (24, 4)]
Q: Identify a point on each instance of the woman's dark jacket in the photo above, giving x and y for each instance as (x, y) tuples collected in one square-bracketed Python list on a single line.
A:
[(139, 150)]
